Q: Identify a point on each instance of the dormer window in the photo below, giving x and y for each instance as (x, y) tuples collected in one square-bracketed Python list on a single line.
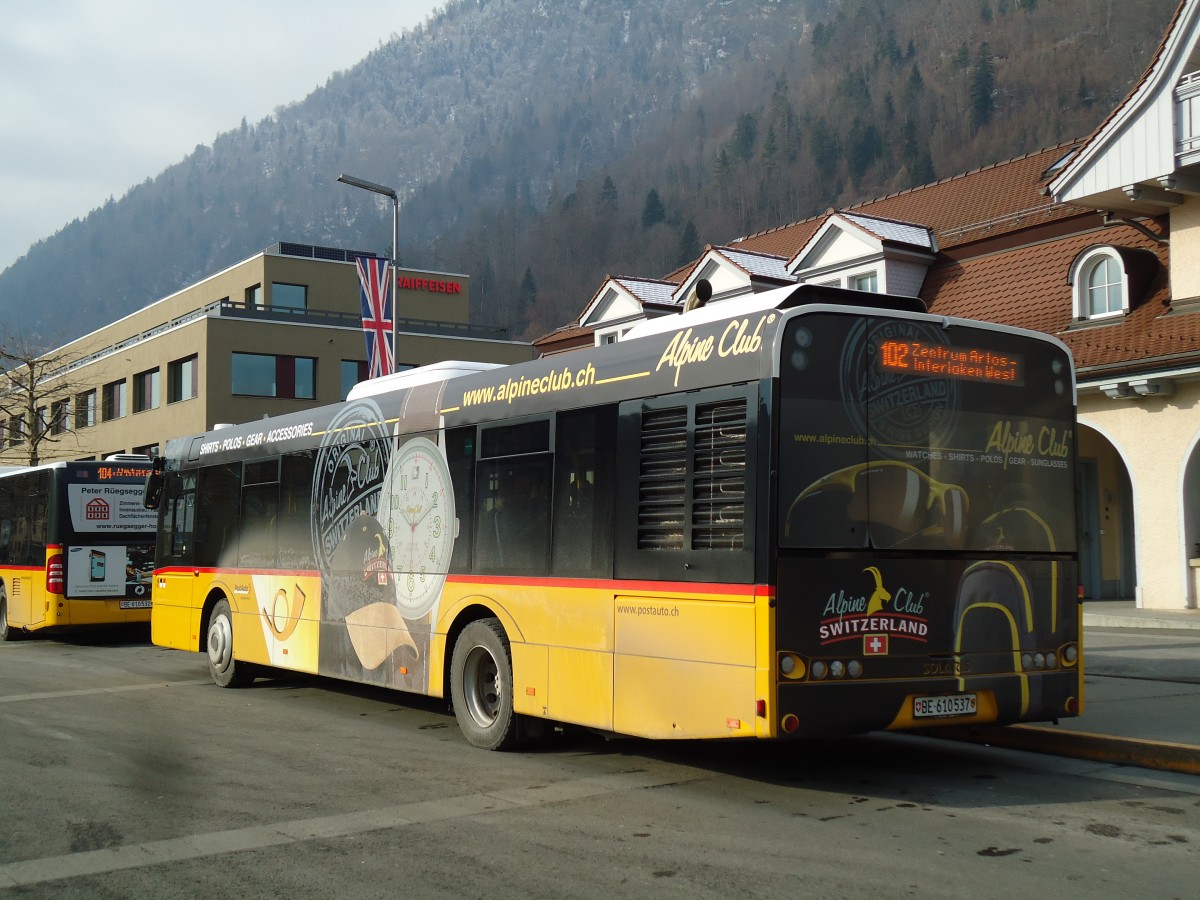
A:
[(1101, 285), (610, 335), (1104, 287), (865, 281)]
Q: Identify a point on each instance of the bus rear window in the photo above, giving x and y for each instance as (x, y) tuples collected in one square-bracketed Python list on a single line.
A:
[(911, 436)]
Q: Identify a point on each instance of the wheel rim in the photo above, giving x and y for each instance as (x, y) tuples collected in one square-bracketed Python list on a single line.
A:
[(220, 643), (481, 686)]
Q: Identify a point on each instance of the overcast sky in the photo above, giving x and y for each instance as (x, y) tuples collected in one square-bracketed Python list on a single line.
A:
[(98, 95)]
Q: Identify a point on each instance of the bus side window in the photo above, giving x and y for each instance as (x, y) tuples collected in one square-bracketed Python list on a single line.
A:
[(511, 518), (217, 511), (39, 518), (15, 504), (259, 514), (585, 456), (460, 458), (185, 513), (8, 505), (178, 506), (512, 498), (294, 532)]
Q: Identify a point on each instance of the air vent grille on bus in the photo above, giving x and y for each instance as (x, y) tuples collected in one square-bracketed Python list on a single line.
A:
[(692, 477), (719, 480), (662, 479)]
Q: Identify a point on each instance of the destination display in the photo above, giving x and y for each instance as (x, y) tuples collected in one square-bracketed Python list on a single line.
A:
[(916, 357)]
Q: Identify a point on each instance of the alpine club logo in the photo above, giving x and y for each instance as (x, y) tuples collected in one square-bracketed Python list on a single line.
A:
[(97, 510), (871, 612)]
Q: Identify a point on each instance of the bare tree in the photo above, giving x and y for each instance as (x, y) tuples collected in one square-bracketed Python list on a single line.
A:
[(36, 394)]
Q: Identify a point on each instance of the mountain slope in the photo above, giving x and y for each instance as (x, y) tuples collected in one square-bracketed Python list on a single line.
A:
[(538, 150)]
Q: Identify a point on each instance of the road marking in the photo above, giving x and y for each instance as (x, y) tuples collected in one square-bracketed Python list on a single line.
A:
[(88, 692), (194, 846)]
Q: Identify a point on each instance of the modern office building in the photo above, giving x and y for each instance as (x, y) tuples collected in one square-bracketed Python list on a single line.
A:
[(275, 333)]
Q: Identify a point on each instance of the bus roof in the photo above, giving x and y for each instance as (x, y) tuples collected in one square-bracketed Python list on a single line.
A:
[(112, 462), (439, 371), (777, 298)]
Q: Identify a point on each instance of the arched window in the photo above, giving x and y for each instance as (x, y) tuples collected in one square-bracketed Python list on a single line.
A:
[(1104, 294), (1101, 284)]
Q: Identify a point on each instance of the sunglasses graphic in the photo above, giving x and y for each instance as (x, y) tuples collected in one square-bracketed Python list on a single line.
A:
[(897, 496)]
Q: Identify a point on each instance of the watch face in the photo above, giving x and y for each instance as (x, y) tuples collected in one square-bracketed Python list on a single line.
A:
[(416, 510)]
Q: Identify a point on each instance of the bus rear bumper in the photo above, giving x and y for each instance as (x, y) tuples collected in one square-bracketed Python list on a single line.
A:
[(88, 611), (811, 710)]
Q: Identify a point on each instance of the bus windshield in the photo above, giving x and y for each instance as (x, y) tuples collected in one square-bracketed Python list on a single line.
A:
[(912, 436)]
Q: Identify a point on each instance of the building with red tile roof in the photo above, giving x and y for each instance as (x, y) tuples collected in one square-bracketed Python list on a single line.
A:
[(1096, 242)]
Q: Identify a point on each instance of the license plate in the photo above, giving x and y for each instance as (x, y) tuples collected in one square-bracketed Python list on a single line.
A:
[(945, 705), (135, 604)]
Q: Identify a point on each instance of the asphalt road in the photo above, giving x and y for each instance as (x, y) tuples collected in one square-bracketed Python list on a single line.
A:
[(125, 773)]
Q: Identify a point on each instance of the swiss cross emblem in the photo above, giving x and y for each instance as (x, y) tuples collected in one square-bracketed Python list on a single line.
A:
[(875, 645)]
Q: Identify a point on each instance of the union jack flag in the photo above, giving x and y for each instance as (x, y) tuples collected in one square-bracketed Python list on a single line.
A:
[(375, 295)]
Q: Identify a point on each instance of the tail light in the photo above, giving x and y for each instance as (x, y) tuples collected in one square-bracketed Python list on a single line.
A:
[(54, 574)]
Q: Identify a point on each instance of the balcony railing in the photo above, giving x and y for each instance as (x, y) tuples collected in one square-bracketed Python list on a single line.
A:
[(234, 310), (328, 317)]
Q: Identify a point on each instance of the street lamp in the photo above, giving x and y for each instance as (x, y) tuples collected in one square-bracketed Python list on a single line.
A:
[(387, 192)]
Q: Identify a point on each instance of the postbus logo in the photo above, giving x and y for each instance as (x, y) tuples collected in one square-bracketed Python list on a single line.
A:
[(351, 462), (97, 510), (895, 410)]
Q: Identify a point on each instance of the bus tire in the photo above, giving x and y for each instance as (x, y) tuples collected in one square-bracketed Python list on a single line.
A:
[(481, 686), (225, 670), (7, 633)]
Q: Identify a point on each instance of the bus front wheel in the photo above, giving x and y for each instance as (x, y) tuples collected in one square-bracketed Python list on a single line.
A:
[(481, 686), (225, 670)]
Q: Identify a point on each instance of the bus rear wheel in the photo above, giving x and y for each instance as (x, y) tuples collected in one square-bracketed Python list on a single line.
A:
[(225, 670), (6, 633), (481, 686)]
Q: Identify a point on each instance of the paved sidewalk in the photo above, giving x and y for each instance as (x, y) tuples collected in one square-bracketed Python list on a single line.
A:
[(1141, 693), (1125, 614)]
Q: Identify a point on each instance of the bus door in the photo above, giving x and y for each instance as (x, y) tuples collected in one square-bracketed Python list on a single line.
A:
[(24, 499), (176, 573)]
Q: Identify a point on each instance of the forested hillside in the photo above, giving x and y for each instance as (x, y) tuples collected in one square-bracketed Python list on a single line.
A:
[(542, 145)]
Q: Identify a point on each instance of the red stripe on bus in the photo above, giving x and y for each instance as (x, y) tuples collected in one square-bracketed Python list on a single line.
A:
[(607, 584)]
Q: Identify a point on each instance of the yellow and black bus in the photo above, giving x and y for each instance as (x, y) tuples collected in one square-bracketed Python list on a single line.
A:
[(76, 545), (805, 512)]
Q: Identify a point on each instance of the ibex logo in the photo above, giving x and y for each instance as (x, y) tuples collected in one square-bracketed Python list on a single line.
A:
[(872, 613)]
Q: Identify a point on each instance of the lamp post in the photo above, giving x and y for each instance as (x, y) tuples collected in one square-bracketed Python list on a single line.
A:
[(391, 193)]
